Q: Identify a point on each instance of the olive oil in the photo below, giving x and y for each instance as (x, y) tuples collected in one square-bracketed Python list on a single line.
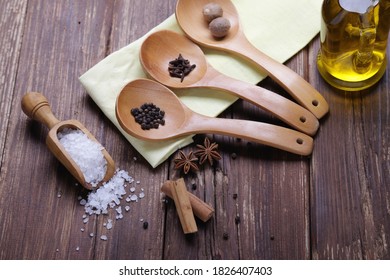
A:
[(354, 36)]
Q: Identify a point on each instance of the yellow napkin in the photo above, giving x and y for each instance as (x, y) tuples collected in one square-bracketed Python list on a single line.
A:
[(279, 28)]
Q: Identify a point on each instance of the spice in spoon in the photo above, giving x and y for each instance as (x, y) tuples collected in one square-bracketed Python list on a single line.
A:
[(180, 67), (219, 26), (148, 116), (212, 11)]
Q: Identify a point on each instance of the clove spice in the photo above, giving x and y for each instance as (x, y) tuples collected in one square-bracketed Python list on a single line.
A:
[(180, 67)]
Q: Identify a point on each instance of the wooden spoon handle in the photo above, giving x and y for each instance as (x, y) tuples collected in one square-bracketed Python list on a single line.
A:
[(267, 134), (37, 107), (293, 83), (283, 108)]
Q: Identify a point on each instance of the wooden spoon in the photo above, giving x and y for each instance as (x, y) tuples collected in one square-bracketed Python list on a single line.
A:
[(189, 15), (180, 120), (37, 107), (164, 46)]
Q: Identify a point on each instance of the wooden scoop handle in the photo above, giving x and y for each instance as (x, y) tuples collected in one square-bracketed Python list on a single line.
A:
[(37, 107), (293, 83), (267, 134)]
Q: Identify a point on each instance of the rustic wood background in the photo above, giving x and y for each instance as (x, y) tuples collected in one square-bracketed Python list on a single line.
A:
[(333, 205)]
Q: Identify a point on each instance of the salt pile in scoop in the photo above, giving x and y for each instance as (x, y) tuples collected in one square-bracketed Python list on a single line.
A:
[(86, 153), (89, 157)]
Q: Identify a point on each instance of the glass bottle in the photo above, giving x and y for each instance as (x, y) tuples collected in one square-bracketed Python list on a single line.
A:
[(354, 35)]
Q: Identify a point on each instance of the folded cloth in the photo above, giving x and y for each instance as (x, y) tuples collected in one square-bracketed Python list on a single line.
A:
[(278, 28)]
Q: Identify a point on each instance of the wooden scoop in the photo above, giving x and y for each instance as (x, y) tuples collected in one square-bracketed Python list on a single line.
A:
[(164, 46), (189, 16), (180, 120), (37, 107)]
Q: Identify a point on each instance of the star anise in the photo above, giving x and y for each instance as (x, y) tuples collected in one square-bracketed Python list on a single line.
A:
[(187, 162), (207, 151)]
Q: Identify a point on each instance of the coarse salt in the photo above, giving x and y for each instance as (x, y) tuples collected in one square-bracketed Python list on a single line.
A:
[(86, 153), (108, 195), (109, 224)]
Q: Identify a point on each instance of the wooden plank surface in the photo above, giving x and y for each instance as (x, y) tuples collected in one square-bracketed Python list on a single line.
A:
[(11, 26), (350, 175), (268, 204)]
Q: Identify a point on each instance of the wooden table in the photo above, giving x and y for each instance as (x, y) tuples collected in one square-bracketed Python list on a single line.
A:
[(268, 204)]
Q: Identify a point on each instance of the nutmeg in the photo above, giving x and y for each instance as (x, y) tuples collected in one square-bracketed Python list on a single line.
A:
[(212, 11), (219, 27)]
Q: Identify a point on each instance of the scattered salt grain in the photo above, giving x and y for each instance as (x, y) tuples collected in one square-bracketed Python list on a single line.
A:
[(109, 224), (141, 195), (103, 237), (127, 208), (82, 229), (77, 249), (91, 234), (134, 197), (112, 204), (132, 189), (83, 202), (86, 153), (119, 213)]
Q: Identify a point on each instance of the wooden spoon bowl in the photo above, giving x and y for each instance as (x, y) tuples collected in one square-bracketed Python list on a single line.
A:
[(181, 121), (164, 46), (37, 107), (190, 18)]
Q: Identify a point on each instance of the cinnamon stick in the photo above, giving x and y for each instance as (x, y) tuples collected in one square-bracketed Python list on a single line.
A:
[(200, 208), (183, 207)]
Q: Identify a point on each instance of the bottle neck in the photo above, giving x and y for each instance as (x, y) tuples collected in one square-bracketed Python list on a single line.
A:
[(358, 6)]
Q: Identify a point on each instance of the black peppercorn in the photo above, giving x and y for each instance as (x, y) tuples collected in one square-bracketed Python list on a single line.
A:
[(225, 236), (148, 116), (145, 225)]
